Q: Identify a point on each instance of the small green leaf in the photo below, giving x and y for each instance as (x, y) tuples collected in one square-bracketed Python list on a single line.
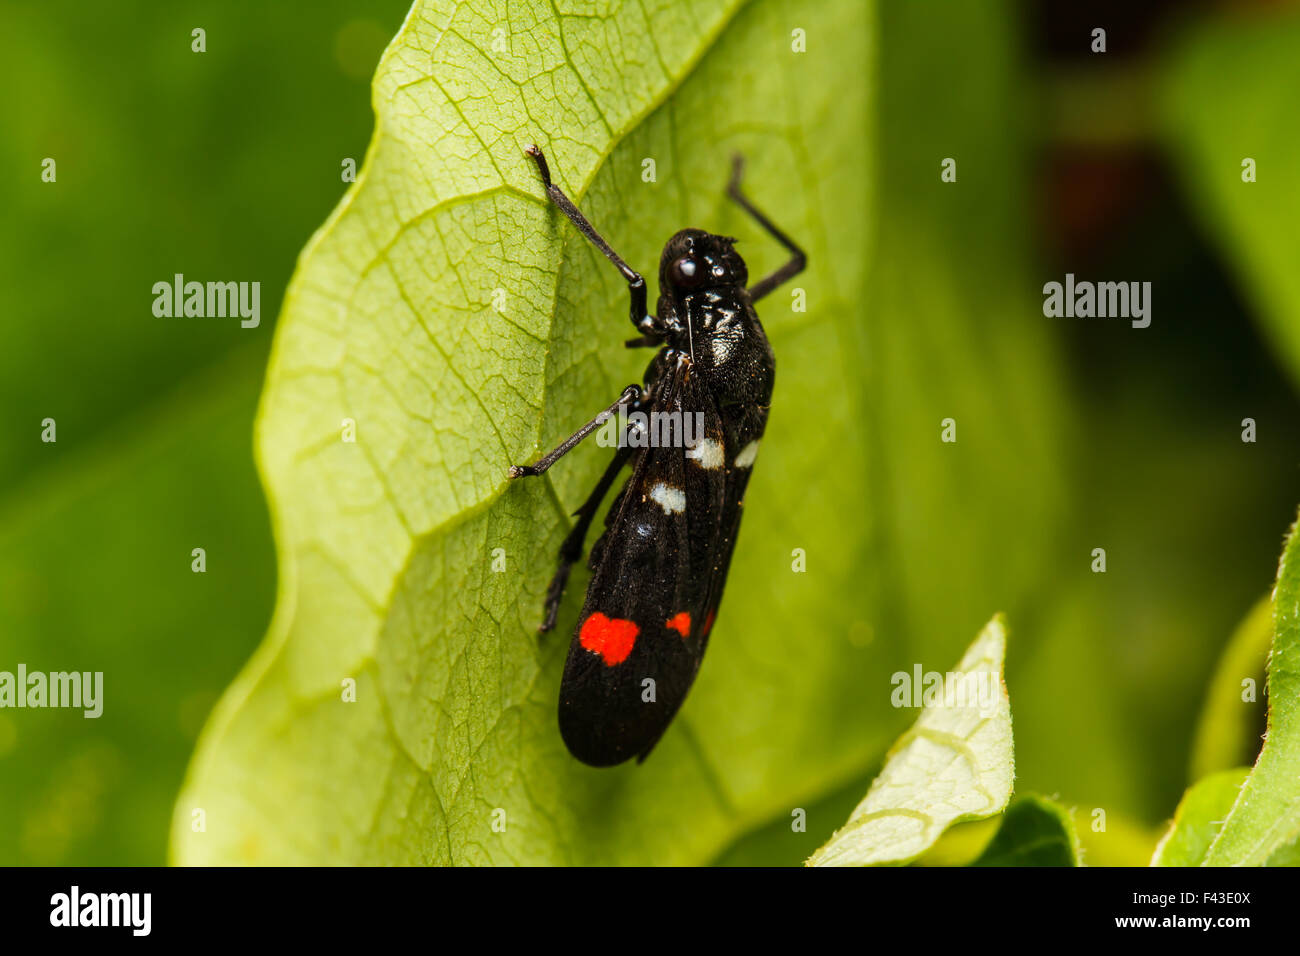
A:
[(1199, 818), (1035, 831), (1266, 815), (956, 763)]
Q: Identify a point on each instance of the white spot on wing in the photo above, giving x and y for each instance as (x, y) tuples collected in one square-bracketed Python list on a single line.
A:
[(747, 455), (672, 500), (721, 350), (707, 452)]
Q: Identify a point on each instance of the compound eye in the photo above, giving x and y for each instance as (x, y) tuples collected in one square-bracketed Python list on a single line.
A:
[(687, 272)]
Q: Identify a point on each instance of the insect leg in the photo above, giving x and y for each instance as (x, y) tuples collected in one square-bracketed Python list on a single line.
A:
[(635, 283), (571, 549), (631, 396), (644, 342), (797, 260)]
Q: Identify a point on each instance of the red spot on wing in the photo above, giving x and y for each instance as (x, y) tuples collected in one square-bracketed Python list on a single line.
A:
[(610, 637), (708, 623), (681, 623)]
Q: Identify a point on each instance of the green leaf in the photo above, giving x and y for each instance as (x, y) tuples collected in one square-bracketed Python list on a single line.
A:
[(1288, 855), (1035, 831), (1211, 127), (1198, 819), (1227, 733), (1266, 815), (955, 764), (387, 544)]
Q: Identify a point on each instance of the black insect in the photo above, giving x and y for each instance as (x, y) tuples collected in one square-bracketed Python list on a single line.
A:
[(659, 568)]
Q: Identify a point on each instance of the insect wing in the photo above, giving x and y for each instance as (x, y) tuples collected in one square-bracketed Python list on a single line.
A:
[(641, 635), (741, 445)]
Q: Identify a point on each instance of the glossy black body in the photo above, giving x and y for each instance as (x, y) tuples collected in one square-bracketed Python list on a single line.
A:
[(671, 531), (650, 565)]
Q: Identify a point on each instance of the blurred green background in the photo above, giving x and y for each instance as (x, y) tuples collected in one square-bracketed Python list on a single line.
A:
[(221, 164), (218, 165)]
